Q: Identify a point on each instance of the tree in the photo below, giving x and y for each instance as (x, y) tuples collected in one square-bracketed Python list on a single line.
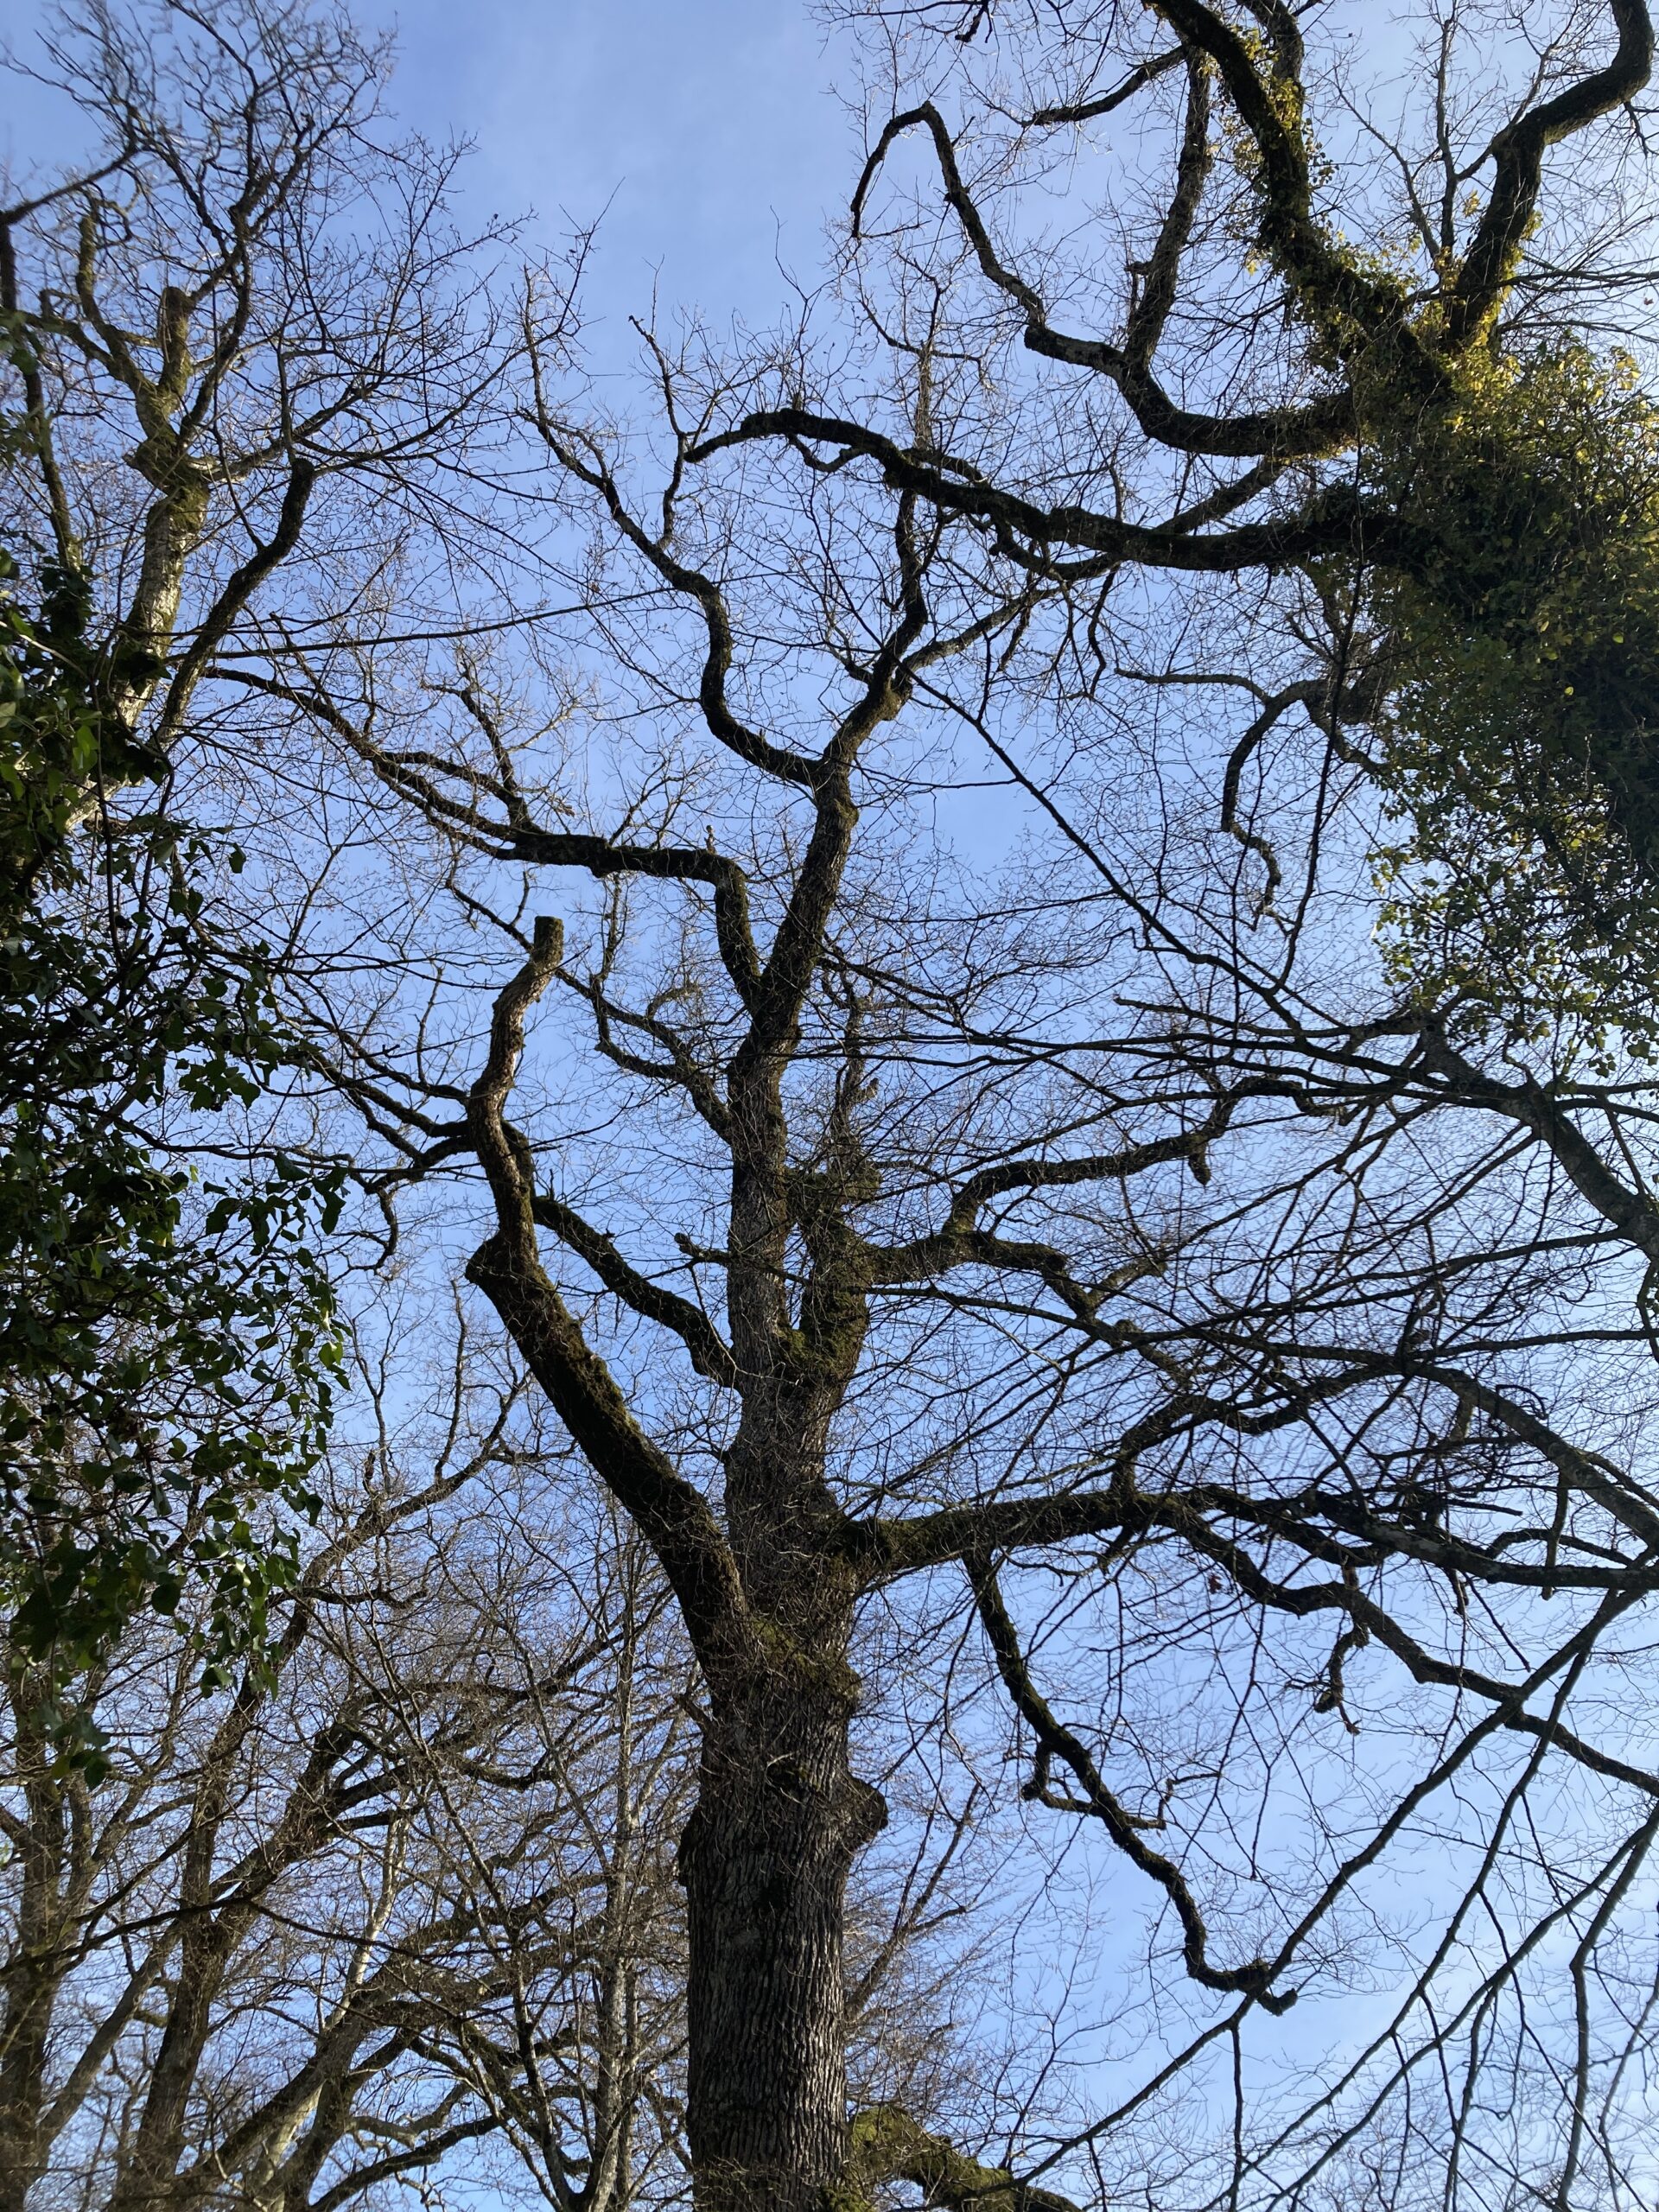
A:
[(1326, 1405), (168, 1342), (249, 280), (401, 1895), (1087, 1250), (167, 1345), (396, 1909), (1434, 439)]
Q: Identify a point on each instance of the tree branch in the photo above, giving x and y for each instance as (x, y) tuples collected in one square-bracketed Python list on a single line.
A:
[(673, 1516)]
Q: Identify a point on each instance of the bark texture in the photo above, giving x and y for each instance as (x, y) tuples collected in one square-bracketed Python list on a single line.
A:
[(764, 1860)]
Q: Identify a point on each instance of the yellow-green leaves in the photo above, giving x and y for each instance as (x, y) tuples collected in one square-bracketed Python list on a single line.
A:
[(1520, 758)]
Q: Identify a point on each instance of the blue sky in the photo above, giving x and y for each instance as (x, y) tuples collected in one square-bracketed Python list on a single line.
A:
[(705, 124), (703, 130)]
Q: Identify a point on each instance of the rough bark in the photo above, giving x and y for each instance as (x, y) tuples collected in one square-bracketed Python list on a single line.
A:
[(764, 1860), (887, 2145)]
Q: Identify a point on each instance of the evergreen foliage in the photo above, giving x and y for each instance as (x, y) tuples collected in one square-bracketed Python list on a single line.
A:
[(169, 1351), (1519, 738)]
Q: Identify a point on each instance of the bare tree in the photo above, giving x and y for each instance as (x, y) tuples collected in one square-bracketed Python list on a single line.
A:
[(1123, 1228), (403, 1896), (243, 330)]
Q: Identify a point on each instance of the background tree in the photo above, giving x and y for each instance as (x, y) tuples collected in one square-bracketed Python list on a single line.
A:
[(397, 1910), (244, 330), (402, 1896), (238, 322), (168, 1342)]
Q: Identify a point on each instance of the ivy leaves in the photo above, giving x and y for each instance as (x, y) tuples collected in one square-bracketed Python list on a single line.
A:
[(1521, 761), (169, 1352)]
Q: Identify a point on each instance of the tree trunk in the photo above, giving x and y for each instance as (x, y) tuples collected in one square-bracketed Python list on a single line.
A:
[(36, 1959), (765, 1859)]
